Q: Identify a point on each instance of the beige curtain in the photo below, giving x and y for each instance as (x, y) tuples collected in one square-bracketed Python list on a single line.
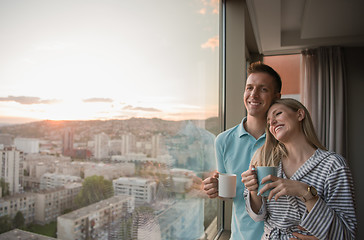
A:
[(323, 92)]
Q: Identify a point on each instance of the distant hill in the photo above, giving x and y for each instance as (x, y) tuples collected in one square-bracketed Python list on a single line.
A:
[(85, 130)]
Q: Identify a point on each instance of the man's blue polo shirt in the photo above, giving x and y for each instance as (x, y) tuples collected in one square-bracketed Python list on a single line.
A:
[(234, 149)]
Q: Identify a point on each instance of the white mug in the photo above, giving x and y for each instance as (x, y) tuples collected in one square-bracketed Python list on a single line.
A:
[(227, 185)]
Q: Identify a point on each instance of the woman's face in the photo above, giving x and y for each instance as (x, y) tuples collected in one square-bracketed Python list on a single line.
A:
[(283, 122)]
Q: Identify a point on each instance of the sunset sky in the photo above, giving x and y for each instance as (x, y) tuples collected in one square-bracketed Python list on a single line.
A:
[(104, 59)]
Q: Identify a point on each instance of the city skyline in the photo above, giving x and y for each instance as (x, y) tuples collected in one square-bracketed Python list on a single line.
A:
[(51, 184), (66, 60)]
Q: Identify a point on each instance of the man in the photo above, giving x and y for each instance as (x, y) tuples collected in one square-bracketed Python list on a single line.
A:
[(192, 148), (236, 146)]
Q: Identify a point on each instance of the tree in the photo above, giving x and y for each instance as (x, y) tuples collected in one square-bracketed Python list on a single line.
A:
[(5, 224), (82, 174), (4, 187), (67, 210), (18, 221), (94, 189)]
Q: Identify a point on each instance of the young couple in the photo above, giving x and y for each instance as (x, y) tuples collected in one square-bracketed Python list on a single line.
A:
[(312, 196)]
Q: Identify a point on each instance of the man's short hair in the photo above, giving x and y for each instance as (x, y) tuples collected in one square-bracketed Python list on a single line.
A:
[(257, 67)]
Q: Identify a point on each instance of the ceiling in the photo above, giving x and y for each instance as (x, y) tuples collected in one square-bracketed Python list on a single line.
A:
[(288, 26)]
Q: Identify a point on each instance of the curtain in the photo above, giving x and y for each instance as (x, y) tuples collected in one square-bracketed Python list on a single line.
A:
[(323, 92)]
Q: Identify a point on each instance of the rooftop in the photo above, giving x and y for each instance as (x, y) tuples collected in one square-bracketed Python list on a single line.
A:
[(85, 211), (20, 234)]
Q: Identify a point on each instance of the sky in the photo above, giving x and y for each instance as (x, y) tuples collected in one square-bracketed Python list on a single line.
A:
[(108, 59)]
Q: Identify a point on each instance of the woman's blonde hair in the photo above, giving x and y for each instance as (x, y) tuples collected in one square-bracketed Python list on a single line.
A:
[(273, 151)]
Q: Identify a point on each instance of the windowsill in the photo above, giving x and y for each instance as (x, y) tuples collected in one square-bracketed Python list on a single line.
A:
[(211, 231), (225, 235)]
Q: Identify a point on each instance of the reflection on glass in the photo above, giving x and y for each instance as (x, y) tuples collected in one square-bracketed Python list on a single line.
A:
[(108, 115)]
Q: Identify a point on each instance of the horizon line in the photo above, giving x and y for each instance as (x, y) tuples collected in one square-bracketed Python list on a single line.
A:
[(7, 123)]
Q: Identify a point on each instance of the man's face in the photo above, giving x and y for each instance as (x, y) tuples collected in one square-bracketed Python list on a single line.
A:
[(259, 94)]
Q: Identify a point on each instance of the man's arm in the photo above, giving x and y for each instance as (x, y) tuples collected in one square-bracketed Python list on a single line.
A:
[(211, 185)]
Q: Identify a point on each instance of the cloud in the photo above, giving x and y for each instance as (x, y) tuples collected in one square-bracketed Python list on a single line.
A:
[(202, 11), (93, 100), (213, 4), (27, 100), (211, 43), (129, 107)]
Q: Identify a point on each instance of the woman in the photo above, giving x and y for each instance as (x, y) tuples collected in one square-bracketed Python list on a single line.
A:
[(313, 188)]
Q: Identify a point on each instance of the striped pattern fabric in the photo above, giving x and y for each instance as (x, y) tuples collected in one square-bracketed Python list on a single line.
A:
[(332, 217)]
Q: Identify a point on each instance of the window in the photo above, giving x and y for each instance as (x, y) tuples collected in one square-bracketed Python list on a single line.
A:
[(104, 96), (288, 67)]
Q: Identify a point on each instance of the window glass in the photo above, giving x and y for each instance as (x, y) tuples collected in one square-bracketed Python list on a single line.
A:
[(108, 114)]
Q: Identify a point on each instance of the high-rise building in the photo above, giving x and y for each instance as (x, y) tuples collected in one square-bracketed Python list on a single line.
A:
[(157, 146), (128, 144), (101, 146), (67, 142), (11, 168), (27, 145), (115, 146)]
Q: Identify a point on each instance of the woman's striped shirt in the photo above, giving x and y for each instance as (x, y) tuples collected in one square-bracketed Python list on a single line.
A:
[(332, 217)]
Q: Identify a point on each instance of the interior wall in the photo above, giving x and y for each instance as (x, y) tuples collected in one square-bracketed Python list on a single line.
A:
[(234, 76), (355, 86), (235, 62)]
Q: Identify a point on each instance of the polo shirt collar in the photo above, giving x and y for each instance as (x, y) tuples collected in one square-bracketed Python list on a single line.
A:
[(242, 131)]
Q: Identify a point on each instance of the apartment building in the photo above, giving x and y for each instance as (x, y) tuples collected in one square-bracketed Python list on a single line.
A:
[(96, 221), (72, 168), (110, 171), (50, 203), (101, 150), (139, 158), (143, 190), (128, 143), (31, 183), (52, 180), (11, 168), (27, 145), (67, 142), (23, 202), (37, 164), (158, 143)]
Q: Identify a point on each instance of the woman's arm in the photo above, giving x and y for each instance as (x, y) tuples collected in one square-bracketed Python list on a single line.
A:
[(254, 203), (260, 214), (334, 216), (330, 218)]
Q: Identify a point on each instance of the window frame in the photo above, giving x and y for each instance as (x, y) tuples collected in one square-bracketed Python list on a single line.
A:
[(234, 58)]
